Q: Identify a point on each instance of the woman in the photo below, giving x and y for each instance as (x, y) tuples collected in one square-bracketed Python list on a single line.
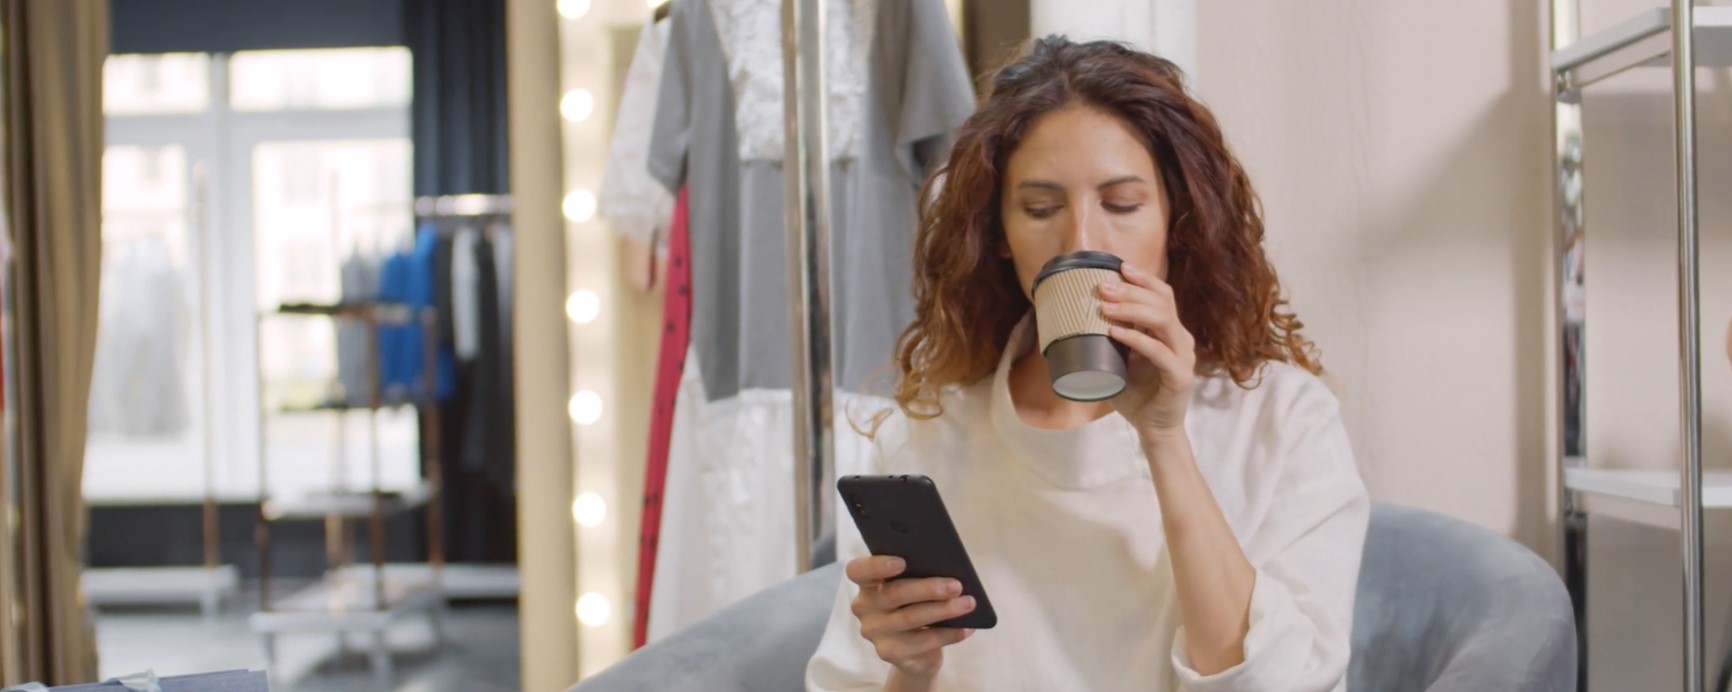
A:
[(1202, 530)]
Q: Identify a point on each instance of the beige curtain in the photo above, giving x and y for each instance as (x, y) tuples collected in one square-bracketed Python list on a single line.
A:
[(54, 50)]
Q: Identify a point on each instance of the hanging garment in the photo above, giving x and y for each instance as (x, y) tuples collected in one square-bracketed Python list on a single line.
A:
[(727, 511), (635, 205), (407, 279), (727, 521), (138, 386), (465, 294), (670, 368), (422, 294), (918, 93), (360, 283), (488, 426), (442, 256), (477, 444), (750, 32)]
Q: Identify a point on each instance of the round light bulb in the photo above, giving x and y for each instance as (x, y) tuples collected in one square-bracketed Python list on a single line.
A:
[(573, 9), (583, 306), (579, 205), (589, 510), (577, 105), (585, 407), (593, 609)]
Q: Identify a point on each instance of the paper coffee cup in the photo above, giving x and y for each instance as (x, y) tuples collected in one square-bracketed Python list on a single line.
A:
[(1085, 363)]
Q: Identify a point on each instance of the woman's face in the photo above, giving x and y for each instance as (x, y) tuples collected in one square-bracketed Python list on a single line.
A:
[(1081, 180)]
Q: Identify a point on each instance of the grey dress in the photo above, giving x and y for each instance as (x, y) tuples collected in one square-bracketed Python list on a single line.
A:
[(917, 92)]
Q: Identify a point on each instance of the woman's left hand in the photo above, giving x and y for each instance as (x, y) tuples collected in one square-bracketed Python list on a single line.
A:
[(1163, 363)]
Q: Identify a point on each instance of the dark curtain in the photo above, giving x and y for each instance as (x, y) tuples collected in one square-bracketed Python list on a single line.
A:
[(458, 124)]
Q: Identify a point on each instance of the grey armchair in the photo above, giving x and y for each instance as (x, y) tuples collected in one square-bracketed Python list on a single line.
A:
[(1443, 606)]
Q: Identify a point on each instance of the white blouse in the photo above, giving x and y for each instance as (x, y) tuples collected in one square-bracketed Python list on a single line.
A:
[(1065, 530)]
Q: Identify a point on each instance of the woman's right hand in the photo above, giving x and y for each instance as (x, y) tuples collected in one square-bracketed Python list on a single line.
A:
[(896, 616)]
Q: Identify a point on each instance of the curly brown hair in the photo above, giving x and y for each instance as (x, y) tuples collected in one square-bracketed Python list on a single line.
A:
[(967, 297)]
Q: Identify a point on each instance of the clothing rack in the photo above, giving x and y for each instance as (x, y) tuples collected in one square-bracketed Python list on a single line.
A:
[(807, 186), (468, 580), (457, 206), (1655, 38)]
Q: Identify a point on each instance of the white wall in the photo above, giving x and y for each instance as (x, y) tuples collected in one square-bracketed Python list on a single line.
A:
[(1403, 153), (1405, 184)]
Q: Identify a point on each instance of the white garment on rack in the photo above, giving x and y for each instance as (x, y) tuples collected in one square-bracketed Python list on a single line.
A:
[(139, 385), (502, 272), (743, 481), (465, 295), (360, 283), (751, 35), (635, 205)]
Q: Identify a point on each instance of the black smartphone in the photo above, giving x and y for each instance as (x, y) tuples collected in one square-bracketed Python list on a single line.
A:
[(903, 516)]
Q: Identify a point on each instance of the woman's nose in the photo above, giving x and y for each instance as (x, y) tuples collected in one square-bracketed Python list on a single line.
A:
[(1081, 228)]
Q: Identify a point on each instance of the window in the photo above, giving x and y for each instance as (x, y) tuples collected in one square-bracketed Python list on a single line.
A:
[(156, 84), (334, 79), (306, 160)]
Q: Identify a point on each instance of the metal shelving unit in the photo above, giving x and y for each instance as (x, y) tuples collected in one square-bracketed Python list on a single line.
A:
[(350, 600), (1680, 38)]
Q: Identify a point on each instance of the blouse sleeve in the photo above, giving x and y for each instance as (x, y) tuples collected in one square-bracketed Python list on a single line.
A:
[(844, 659), (671, 133), (636, 204), (1306, 553)]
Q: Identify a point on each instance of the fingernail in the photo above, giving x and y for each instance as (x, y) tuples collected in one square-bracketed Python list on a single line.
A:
[(1110, 288), (896, 563), (953, 587), (965, 604)]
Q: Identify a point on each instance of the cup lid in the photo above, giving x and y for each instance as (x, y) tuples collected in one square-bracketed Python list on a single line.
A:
[(1086, 259)]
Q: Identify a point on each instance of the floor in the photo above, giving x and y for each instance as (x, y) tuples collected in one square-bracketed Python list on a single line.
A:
[(480, 654)]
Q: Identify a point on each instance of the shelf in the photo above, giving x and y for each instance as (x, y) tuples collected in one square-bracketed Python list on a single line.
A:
[(459, 582), (356, 504), (206, 587), (345, 604), (380, 313), (386, 403), (1652, 487), (1648, 497), (1643, 40)]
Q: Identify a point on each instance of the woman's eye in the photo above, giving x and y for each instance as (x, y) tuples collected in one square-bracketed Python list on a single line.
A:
[(1041, 212), (1121, 208)]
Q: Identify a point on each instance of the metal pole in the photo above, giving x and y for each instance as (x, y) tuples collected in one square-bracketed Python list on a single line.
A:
[(262, 530), (204, 260), (806, 185), (376, 522), (1569, 322), (1689, 333)]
